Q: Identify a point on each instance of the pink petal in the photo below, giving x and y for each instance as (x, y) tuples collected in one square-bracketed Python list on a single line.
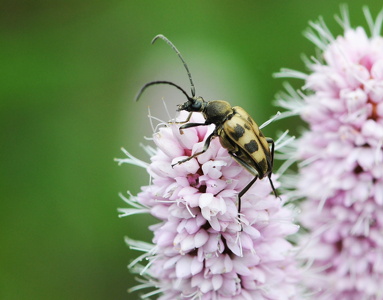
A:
[(215, 224), (217, 281), (205, 199), (241, 268), (205, 286), (196, 266), (377, 69), (187, 243), (212, 243), (183, 269), (201, 238), (171, 262), (166, 142), (228, 262)]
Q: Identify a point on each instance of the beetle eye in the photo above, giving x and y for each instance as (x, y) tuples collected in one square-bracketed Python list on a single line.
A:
[(196, 106)]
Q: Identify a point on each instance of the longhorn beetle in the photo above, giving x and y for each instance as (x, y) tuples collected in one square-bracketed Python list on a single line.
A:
[(237, 131)]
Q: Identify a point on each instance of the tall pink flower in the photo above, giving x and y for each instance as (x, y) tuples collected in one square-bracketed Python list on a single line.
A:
[(198, 250), (340, 173)]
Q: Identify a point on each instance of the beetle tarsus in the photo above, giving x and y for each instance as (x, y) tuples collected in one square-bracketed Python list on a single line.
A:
[(182, 161)]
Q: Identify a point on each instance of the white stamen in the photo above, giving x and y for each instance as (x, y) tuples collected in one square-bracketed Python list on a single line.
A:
[(166, 201), (140, 245), (282, 144), (322, 202), (132, 201), (289, 73), (270, 120), (150, 119), (146, 138), (166, 108), (190, 212), (322, 36), (311, 36), (155, 292), (151, 259), (344, 20), (131, 160), (124, 212), (308, 160), (160, 124), (138, 259), (141, 286), (239, 241), (286, 165), (148, 149), (281, 137), (194, 295), (375, 26)]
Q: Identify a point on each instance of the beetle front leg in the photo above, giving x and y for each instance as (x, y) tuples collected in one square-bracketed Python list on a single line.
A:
[(183, 122), (205, 147), (189, 125)]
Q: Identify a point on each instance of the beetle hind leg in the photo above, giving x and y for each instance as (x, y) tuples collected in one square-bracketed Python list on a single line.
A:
[(272, 186), (271, 141), (244, 190), (251, 170)]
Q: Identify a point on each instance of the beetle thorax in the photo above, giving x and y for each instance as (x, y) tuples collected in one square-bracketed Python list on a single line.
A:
[(217, 111)]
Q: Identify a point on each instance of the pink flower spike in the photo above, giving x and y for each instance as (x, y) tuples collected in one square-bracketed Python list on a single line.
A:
[(200, 249), (340, 165)]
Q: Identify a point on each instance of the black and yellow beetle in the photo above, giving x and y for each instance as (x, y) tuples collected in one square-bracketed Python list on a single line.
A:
[(237, 131)]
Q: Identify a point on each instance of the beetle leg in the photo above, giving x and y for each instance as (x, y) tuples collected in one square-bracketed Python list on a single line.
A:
[(270, 141), (251, 170), (241, 193), (244, 164), (272, 186), (183, 122), (205, 147), (189, 125)]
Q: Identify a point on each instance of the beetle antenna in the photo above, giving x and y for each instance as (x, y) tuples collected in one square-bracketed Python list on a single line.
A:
[(162, 82), (180, 56)]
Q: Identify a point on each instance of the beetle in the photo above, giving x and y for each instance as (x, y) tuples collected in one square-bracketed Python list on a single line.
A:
[(236, 129)]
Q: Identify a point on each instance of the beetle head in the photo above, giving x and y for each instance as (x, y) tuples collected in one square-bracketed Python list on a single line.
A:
[(195, 104)]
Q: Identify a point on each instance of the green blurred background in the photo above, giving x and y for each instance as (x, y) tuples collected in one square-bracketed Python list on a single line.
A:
[(69, 71)]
